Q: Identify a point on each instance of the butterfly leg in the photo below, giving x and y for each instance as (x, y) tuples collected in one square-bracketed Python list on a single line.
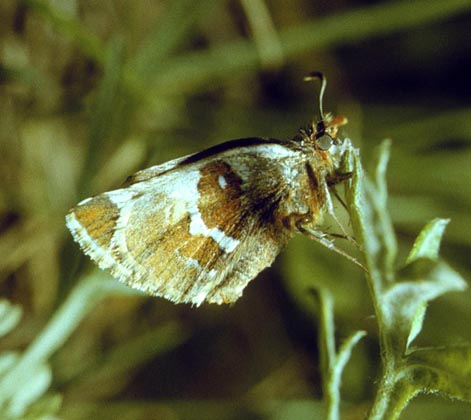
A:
[(322, 238), (330, 209)]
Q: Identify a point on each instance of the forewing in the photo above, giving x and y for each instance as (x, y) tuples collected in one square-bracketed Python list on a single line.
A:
[(193, 231)]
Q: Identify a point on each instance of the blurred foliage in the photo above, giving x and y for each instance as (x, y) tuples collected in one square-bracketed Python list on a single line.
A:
[(92, 91)]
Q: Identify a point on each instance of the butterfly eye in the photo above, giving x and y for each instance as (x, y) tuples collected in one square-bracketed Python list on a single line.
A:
[(325, 142)]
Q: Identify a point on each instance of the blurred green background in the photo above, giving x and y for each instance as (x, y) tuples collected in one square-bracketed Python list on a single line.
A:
[(92, 91)]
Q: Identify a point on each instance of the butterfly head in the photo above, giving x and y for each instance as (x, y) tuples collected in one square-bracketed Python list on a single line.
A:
[(323, 134)]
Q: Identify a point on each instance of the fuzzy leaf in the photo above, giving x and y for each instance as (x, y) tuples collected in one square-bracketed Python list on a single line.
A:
[(38, 383), (404, 303), (444, 370), (417, 323), (372, 225), (428, 242), (345, 350)]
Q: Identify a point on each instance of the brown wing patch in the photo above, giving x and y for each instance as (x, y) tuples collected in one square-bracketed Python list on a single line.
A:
[(258, 250), (220, 194), (98, 217), (156, 250)]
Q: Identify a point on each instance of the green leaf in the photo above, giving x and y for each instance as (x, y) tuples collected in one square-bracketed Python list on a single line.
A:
[(404, 303), (372, 225), (345, 351), (428, 242), (417, 323), (383, 224), (444, 370)]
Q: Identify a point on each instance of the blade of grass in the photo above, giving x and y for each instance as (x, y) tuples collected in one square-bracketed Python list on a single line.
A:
[(169, 33), (103, 111), (72, 28), (264, 32), (197, 69)]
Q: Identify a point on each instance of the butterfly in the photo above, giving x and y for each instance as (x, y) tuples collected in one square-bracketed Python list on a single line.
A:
[(199, 228)]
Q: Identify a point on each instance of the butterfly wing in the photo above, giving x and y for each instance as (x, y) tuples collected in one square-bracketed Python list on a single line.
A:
[(194, 229)]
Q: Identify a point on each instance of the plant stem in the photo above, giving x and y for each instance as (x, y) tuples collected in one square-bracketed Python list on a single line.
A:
[(372, 225), (330, 381), (392, 396), (332, 361)]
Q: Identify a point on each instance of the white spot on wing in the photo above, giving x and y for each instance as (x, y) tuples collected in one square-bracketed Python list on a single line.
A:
[(120, 197), (198, 227), (225, 242), (222, 181), (194, 263)]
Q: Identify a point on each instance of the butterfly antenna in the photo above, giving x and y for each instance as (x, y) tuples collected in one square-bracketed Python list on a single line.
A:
[(317, 75)]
